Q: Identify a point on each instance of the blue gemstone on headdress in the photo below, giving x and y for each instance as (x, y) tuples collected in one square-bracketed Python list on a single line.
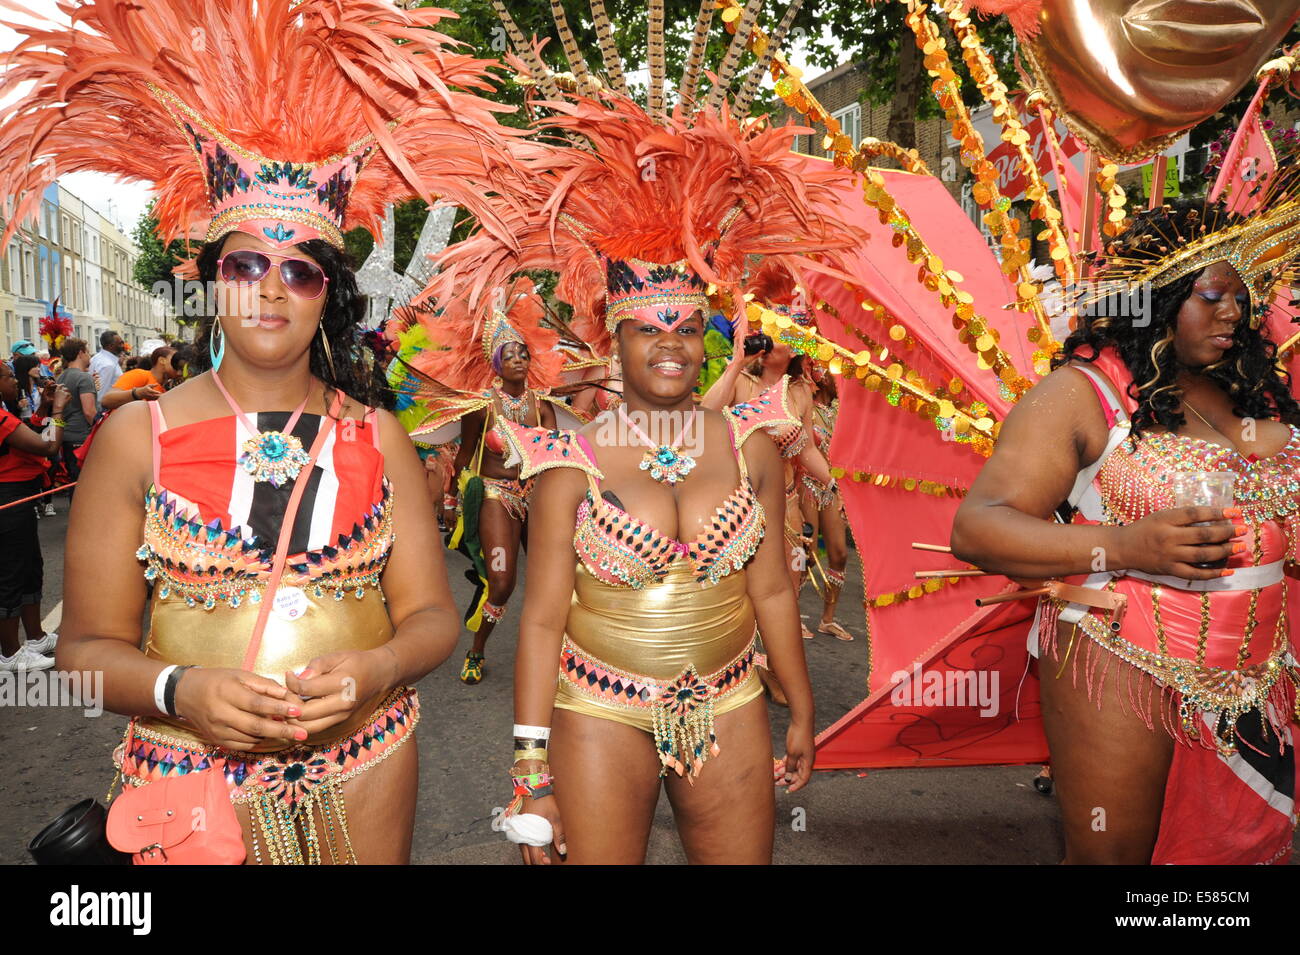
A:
[(279, 233)]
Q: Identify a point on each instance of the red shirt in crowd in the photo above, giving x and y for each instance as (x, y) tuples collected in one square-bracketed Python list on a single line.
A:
[(16, 465)]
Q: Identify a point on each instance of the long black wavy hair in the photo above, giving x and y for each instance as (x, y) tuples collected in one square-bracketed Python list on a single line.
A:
[(350, 368), (1247, 372)]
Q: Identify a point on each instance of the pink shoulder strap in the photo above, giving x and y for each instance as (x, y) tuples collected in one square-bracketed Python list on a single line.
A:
[(1115, 374), (1107, 404), (286, 533)]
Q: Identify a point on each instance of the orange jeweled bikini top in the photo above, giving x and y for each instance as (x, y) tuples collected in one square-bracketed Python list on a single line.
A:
[(210, 529), (621, 550), (1136, 479)]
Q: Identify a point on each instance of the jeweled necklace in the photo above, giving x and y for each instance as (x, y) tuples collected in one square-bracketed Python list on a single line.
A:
[(516, 409), (272, 456), (665, 462)]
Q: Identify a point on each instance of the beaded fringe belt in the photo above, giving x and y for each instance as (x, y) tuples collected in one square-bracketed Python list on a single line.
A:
[(510, 493), (821, 495), (1199, 688), (681, 711), (291, 793)]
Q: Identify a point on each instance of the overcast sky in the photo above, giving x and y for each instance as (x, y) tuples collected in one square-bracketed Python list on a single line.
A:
[(123, 202)]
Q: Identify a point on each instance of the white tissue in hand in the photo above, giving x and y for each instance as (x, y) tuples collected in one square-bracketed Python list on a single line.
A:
[(526, 828)]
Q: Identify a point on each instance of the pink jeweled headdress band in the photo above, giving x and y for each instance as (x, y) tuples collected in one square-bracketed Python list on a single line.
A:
[(277, 201), (664, 295)]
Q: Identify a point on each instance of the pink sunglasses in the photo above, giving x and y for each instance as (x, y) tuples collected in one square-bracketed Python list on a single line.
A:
[(248, 267)]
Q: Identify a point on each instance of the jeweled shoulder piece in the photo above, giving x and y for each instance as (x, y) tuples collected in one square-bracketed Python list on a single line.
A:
[(768, 409), (540, 449)]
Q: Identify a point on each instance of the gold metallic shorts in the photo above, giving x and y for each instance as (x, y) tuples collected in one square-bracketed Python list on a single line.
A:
[(665, 659)]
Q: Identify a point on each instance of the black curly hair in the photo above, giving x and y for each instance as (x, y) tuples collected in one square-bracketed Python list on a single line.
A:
[(350, 368), (1248, 371)]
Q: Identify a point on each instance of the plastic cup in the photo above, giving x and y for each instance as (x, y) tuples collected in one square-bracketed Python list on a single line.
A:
[(1204, 489)]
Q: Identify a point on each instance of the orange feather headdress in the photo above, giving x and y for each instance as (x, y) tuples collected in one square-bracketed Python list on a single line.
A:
[(287, 119), (642, 211), (469, 363), (1022, 14), (773, 286)]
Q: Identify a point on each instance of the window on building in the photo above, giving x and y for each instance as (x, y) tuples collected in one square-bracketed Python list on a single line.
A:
[(850, 120), (27, 328)]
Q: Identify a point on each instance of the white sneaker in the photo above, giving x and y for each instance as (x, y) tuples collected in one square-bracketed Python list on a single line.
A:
[(46, 644), (49, 509), (26, 659)]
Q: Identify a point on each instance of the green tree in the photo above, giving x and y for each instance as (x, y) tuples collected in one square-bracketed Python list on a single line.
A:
[(479, 27), (155, 264)]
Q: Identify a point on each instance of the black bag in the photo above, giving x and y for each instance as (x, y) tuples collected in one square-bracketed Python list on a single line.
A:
[(77, 837)]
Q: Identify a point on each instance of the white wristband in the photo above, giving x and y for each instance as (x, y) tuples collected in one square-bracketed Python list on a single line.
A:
[(532, 732), (159, 688)]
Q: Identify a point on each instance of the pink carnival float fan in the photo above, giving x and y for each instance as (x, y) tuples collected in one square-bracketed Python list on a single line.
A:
[(289, 120)]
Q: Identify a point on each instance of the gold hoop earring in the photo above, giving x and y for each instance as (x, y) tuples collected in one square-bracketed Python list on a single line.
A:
[(329, 357)]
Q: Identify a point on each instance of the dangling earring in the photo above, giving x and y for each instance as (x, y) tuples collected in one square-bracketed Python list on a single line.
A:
[(216, 354), (329, 358)]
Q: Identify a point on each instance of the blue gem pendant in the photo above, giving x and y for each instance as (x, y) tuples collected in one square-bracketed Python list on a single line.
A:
[(667, 465), (274, 457)]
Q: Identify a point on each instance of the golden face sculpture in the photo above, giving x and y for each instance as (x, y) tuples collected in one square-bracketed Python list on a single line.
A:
[(1130, 77)]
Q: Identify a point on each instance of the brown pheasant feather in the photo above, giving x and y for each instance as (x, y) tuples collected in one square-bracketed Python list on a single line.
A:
[(577, 63), (608, 48), (695, 58), (746, 95), (655, 51), (732, 59), (538, 70)]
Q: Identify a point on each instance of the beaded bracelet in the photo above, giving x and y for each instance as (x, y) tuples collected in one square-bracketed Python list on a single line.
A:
[(532, 785)]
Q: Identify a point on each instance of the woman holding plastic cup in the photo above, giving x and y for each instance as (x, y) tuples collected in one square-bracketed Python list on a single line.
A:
[(1158, 468)]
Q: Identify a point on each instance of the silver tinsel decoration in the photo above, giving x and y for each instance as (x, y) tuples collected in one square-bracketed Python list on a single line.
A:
[(389, 289)]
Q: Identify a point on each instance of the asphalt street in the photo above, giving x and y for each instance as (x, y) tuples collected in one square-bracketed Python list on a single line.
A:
[(51, 757)]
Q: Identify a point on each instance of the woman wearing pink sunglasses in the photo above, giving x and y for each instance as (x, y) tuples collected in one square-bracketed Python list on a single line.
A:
[(253, 507)]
